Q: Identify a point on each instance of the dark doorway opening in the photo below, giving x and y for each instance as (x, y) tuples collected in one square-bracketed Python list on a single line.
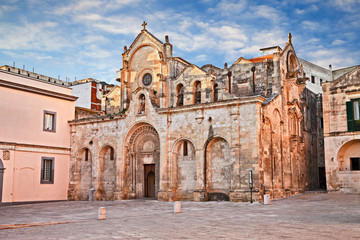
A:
[(149, 176), (322, 178)]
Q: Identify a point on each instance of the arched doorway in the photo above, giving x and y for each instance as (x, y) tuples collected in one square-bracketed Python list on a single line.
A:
[(142, 156), (1, 178), (218, 169)]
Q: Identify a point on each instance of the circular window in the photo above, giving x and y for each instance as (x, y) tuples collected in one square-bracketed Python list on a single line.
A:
[(147, 79)]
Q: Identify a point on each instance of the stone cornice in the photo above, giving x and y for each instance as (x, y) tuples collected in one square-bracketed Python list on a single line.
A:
[(33, 148)]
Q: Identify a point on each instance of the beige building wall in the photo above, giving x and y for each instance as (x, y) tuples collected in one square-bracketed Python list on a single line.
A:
[(342, 132)]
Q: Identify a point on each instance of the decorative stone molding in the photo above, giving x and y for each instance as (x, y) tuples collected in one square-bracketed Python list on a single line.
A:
[(6, 155)]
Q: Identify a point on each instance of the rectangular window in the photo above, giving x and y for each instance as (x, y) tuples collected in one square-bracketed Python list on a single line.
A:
[(47, 170), (312, 79), (353, 115), (355, 164), (49, 121), (321, 81)]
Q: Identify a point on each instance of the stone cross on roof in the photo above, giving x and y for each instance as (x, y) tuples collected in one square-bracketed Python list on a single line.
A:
[(144, 25)]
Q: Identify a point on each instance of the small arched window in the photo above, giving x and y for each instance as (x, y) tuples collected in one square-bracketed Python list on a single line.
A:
[(141, 103), (197, 92), (180, 95), (215, 92), (293, 65)]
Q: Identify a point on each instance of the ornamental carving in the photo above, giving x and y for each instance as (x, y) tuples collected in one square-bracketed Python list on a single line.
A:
[(6, 155)]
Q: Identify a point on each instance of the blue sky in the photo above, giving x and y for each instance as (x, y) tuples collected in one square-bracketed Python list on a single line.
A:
[(86, 38)]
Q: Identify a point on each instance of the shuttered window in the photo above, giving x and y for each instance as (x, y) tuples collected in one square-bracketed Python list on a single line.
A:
[(353, 115)]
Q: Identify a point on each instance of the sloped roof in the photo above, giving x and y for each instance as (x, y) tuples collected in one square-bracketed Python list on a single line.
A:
[(260, 59)]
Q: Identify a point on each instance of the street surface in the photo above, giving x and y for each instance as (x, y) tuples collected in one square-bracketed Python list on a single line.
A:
[(306, 216)]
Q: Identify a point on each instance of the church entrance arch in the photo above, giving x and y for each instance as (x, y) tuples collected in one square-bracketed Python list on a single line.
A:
[(1, 178), (142, 162)]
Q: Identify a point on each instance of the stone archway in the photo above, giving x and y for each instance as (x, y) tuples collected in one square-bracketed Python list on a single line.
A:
[(218, 169), (141, 151), (106, 179), (1, 178), (183, 171), (81, 185)]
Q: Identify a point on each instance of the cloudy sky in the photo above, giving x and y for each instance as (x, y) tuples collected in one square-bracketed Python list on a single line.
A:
[(86, 38)]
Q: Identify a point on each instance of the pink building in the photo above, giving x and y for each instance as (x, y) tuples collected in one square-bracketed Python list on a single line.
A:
[(34, 138)]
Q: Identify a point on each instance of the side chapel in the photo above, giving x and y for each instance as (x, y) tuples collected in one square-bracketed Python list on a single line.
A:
[(191, 133)]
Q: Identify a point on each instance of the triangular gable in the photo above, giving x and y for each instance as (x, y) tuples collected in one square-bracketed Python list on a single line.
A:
[(350, 78), (191, 70), (148, 35), (111, 91)]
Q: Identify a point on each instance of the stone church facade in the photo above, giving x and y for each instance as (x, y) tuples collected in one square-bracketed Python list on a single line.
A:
[(190, 133)]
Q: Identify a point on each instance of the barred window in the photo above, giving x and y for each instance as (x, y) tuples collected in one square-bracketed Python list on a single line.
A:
[(47, 170)]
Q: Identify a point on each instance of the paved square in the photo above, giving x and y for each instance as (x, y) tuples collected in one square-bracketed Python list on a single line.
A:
[(306, 216)]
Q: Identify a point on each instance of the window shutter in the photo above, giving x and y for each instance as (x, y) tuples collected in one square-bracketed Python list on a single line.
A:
[(350, 116)]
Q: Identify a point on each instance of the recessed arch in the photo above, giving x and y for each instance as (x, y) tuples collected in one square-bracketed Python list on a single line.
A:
[(348, 156), (217, 168), (141, 153), (132, 54), (180, 94), (81, 176), (106, 179), (197, 92), (183, 169)]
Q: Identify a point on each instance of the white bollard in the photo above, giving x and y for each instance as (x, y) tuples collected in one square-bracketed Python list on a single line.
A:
[(266, 199), (177, 207), (102, 213)]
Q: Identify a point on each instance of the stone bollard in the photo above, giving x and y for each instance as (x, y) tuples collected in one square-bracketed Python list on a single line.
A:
[(102, 213), (266, 199), (177, 207)]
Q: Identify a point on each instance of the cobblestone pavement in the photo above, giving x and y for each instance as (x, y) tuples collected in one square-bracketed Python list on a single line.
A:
[(306, 216)]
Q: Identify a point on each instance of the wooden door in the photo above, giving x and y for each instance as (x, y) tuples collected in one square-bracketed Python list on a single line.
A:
[(149, 176)]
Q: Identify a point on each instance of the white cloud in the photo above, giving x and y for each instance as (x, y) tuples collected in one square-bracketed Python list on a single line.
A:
[(40, 36), (347, 5), (310, 25), (228, 7), (338, 42)]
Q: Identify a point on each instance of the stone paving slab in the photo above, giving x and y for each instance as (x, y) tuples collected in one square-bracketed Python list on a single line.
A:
[(306, 216)]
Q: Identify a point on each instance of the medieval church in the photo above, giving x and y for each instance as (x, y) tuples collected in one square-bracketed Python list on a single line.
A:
[(188, 133)]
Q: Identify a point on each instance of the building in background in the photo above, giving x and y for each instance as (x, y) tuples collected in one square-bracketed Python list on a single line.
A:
[(191, 133), (341, 107), (34, 138)]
